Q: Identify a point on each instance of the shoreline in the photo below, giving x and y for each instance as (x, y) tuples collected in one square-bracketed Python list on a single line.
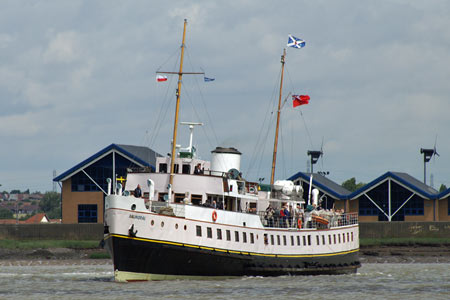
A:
[(367, 254)]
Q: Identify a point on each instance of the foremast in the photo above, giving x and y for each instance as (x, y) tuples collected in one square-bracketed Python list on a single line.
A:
[(274, 160), (177, 107)]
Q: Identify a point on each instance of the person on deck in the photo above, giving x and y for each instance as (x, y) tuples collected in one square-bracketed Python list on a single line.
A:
[(198, 170), (138, 191)]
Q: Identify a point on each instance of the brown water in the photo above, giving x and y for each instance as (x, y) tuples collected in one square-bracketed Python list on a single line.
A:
[(94, 280)]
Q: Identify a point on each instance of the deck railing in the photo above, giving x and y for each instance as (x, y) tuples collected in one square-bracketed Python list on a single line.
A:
[(309, 220)]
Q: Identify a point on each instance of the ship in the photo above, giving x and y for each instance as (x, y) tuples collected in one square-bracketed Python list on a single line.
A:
[(189, 218)]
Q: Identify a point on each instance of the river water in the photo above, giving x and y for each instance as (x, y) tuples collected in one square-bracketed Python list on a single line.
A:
[(75, 280)]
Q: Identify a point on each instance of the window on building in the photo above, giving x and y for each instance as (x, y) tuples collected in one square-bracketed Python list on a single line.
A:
[(219, 233), (99, 172), (366, 207), (179, 197), (87, 213), (209, 232), (162, 197), (199, 230), (414, 207)]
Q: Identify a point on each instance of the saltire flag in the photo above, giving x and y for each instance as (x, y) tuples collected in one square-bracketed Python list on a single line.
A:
[(295, 42), (160, 78), (207, 79), (300, 100)]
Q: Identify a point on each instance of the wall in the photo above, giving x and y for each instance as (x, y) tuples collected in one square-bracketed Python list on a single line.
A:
[(404, 229), (52, 231), (95, 231), (443, 210), (70, 201)]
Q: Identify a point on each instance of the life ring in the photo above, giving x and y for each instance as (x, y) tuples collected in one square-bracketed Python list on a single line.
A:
[(252, 189), (299, 223), (320, 220), (214, 216)]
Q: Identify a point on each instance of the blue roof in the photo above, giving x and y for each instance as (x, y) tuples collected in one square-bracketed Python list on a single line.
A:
[(142, 155), (403, 178), (323, 183), (444, 194)]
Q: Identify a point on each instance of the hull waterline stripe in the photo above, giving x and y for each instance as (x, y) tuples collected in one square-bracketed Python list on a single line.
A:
[(231, 251)]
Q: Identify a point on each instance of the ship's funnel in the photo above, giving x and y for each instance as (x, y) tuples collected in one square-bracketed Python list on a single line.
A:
[(224, 159)]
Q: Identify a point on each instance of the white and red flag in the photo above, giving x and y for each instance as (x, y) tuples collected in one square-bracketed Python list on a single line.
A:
[(160, 78)]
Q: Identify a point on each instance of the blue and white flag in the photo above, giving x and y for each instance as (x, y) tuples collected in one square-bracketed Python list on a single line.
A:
[(208, 79), (295, 42)]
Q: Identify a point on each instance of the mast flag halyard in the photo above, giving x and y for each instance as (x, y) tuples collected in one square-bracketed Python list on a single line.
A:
[(294, 43), (178, 92)]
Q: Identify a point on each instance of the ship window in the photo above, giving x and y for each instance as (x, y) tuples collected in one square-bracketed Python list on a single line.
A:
[(323, 240), (176, 167), (272, 241), (309, 240), (334, 238), (162, 224), (252, 238), (339, 238), (199, 230), (292, 240), (304, 240), (266, 239), (162, 168), (348, 237), (236, 236), (152, 222), (161, 197), (244, 237), (352, 236), (329, 239), (219, 233), (87, 213), (343, 237), (284, 240), (209, 232), (278, 240), (318, 240), (228, 235), (186, 169), (196, 199), (298, 240), (179, 197)]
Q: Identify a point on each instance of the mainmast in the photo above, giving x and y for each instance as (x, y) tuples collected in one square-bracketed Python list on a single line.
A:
[(178, 92), (278, 119)]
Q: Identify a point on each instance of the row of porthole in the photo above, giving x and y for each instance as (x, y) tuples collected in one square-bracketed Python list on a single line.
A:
[(152, 223)]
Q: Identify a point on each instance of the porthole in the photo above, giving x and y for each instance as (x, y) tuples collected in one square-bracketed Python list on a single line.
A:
[(152, 222), (162, 224), (176, 226), (133, 207)]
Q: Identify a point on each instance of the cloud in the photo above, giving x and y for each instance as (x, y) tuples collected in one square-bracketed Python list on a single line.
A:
[(64, 47)]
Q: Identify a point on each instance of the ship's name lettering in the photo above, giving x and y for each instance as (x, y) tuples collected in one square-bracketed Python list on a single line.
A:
[(142, 218)]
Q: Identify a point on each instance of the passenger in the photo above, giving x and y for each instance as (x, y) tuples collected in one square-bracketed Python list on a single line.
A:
[(198, 169), (268, 215), (287, 216), (138, 191), (214, 204)]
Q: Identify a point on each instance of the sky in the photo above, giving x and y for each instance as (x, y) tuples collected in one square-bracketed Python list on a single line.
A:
[(77, 76)]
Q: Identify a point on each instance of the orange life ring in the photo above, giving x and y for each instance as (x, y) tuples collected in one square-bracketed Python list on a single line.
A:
[(214, 216), (299, 223), (320, 220)]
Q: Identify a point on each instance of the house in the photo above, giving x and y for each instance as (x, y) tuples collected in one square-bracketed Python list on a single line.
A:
[(84, 186)]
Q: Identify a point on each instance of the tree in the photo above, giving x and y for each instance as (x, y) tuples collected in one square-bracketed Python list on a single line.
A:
[(442, 188), (51, 205), (351, 185), (5, 213)]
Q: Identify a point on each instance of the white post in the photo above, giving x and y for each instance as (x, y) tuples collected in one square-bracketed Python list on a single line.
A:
[(389, 200), (310, 186)]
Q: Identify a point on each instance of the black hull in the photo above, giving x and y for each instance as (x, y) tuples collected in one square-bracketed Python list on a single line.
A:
[(165, 258)]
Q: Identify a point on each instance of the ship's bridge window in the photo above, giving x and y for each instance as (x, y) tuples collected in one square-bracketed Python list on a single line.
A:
[(162, 168), (186, 169)]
